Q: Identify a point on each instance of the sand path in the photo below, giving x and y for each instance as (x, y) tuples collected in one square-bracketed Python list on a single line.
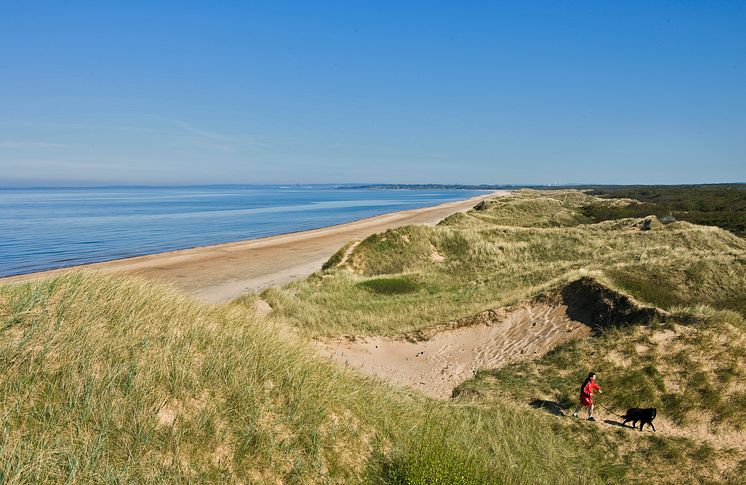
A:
[(449, 357), (496, 338), (223, 272)]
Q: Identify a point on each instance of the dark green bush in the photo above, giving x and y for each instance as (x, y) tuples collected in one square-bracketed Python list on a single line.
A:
[(722, 205)]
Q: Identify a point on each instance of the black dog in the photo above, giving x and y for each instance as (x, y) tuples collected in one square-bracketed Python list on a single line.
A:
[(644, 416)]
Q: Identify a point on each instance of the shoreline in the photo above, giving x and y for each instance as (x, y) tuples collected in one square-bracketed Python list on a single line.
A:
[(221, 272)]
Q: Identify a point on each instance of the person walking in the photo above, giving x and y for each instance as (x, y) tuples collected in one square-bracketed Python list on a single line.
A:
[(586, 395)]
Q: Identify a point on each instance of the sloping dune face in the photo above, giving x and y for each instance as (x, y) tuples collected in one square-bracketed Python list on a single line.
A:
[(519, 298), (415, 277), (437, 360), (114, 379), (436, 365)]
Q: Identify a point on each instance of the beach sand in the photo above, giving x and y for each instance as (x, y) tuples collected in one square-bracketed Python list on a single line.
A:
[(223, 272)]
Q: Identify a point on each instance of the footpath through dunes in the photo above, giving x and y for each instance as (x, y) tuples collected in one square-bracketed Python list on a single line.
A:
[(223, 272), (516, 300), (115, 379)]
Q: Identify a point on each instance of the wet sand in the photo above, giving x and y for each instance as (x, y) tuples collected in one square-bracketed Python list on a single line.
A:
[(223, 272)]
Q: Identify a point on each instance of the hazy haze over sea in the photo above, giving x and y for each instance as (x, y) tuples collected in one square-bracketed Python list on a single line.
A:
[(50, 228)]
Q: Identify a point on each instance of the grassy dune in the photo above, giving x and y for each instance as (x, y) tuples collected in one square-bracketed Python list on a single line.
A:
[(693, 371), (112, 379), (504, 252), (511, 249)]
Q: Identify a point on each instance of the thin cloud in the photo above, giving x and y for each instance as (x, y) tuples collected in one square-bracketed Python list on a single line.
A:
[(207, 134), (187, 127), (25, 144), (214, 139)]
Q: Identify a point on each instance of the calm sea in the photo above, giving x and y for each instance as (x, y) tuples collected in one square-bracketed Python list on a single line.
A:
[(52, 228)]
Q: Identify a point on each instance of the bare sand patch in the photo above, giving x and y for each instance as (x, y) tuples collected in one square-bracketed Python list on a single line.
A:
[(348, 252), (448, 357), (435, 255), (262, 307)]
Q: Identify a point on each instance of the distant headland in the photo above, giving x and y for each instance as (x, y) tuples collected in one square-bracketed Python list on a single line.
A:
[(433, 187)]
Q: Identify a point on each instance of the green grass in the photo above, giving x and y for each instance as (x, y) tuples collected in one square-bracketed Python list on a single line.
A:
[(513, 248), (112, 379), (691, 379), (722, 205), (497, 256), (689, 375)]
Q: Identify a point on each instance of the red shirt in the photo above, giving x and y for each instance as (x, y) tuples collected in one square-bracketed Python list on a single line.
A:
[(586, 396)]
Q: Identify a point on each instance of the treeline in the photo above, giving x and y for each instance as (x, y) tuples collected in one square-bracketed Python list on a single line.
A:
[(722, 205)]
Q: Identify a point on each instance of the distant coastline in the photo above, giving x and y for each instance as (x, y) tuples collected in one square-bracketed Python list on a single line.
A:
[(53, 228), (220, 272), (430, 187)]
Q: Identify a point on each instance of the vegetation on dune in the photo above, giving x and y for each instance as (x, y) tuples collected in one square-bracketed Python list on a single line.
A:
[(499, 255), (112, 379), (108, 379), (555, 210), (722, 205), (390, 286), (513, 248), (689, 372)]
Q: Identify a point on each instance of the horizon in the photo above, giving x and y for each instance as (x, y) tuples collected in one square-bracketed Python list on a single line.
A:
[(458, 186), (514, 93)]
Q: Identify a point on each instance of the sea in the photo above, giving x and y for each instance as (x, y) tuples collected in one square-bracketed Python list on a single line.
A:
[(49, 228)]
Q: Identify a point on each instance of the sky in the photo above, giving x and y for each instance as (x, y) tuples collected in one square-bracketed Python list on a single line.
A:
[(520, 92)]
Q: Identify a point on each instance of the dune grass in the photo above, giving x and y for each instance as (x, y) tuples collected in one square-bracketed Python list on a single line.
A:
[(497, 256), (691, 371), (513, 248), (112, 379), (390, 286)]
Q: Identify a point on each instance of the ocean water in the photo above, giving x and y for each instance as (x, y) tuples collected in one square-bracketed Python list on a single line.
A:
[(44, 229)]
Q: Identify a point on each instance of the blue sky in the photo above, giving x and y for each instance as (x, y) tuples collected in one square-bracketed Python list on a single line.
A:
[(461, 92)]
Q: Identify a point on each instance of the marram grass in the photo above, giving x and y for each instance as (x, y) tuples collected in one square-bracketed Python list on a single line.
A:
[(111, 379), (115, 380), (495, 256)]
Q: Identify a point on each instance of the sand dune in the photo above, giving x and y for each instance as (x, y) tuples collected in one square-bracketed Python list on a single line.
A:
[(438, 364)]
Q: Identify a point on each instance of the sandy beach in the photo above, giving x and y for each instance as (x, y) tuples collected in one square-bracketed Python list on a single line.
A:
[(223, 272)]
